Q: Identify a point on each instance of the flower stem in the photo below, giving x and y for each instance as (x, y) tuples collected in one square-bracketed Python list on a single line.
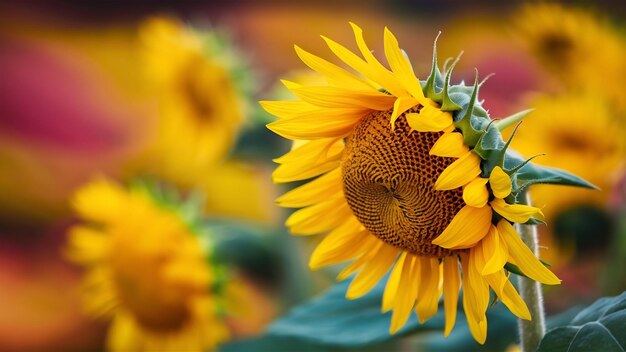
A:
[(531, 331)]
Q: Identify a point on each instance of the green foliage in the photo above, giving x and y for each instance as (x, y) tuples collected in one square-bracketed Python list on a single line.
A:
[(331, 323), (599, 327)]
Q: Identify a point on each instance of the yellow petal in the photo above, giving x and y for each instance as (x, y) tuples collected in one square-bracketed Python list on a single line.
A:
[(468, 227), (524, 257), (401, 66), (100, 200), (429, 119), (335, 75), (391, 289), (428, 295), (372, 271), (405, 296), (475, 193), (313, 192), (334, 97), (450, 145), (287, 108), (507, 294), (361, 261), (319, 123), (459, 173), (475, 299), (320, 217), (495, 252), (379, 73), (342, 245), (516, 212), (500, 183), (451, 284), (401, 105), (309, 160), (87, 245)]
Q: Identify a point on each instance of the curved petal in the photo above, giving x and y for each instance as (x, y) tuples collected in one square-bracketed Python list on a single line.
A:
[(314, 191), (372, 271), (475, 193), (468, 227), (429, 119), (459, 173), (320, 217), (309, 160), (450, 145), (475, 299), (516, 212), (524, 257), (405, 298), (428, 295), (319, 123), (336, 97), (494, 251), (508, 295), (401, 66), (451, 285), (401, 105), (380, 73), (500, 182), (335, 75)]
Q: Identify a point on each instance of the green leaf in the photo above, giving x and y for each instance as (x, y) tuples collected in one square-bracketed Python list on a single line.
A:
[(334, 323), (333, 320), (599, 327)]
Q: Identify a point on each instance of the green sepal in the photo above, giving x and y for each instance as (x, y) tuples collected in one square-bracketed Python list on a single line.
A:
[(466, 121), (510, 120), (530, 174), (489, 148), (435, 79), (446, 102)]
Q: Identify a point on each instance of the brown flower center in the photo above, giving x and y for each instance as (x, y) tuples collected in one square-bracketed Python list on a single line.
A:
[(389, 178)]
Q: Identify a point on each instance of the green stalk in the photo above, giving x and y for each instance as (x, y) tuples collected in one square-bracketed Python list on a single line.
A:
[(531, 331)]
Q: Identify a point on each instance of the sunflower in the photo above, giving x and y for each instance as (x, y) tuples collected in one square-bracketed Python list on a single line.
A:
[(147, 270), (410, 177), (594, 148), (194, 75), (565, 40)]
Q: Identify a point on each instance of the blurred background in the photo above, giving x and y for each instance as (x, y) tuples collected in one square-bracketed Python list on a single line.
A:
[(167, 91)]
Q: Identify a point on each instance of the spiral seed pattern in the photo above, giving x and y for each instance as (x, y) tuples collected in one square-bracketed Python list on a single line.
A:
[(389, 178)]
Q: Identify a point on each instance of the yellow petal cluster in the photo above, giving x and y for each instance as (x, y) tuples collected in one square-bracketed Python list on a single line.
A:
[(146, 270)]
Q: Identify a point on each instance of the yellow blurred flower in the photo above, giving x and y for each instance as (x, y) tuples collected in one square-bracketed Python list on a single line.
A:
[(581, 49), (200, 109), (578, 132), (147, 269)]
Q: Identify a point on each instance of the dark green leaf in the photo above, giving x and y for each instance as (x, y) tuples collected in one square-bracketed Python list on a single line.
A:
[(332, 320), (599, 327)]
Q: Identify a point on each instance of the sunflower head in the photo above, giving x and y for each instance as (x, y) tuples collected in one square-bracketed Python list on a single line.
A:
[(202, 86), (410, 176), (148, 269), (566, 41)]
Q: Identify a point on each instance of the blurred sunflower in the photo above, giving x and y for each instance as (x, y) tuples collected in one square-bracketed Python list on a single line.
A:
[(194, 75), (148, 269), (578, 47), (409, 181), (577, 131)]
